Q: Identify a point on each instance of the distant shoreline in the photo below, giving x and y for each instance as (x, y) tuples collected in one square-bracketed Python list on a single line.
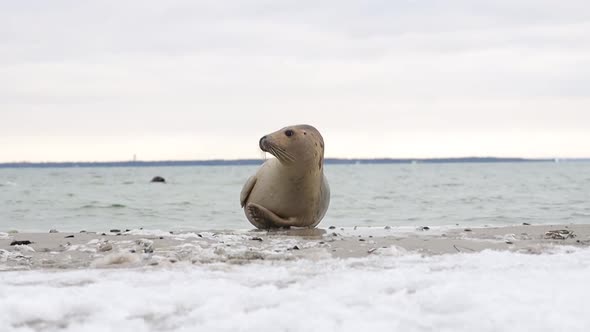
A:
[(246, 162)]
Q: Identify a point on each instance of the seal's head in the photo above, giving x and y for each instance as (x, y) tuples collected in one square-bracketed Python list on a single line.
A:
[(295, 145)]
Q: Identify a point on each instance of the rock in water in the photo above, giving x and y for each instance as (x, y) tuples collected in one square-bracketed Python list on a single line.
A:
[(159, 179)]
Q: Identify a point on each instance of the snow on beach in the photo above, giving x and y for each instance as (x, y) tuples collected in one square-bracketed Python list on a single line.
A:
[(391, 290)]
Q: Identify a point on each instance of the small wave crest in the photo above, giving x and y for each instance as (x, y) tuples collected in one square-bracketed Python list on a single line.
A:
[(109, 206)]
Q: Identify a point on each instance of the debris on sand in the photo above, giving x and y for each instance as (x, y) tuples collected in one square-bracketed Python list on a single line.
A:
[(20, 243), (560, 234)]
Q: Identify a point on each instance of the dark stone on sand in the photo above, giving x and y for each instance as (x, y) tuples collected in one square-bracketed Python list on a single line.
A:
[(103, 234), (526, 224), (468, 229), (20, 243), (82, 231), (115, 231), (158, 179), (256, 238), (295, 248), (69, 236), (387, 227), (362, 240), (332, 227), (424, 228), (53, 231)]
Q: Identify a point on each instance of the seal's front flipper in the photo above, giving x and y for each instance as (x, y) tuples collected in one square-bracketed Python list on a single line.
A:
[(264, 218), (247, 189)]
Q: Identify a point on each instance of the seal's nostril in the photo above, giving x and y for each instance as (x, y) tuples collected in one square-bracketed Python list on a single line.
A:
[(260, 143)]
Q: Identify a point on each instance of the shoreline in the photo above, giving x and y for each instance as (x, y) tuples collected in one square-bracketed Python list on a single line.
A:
[(137, 248)]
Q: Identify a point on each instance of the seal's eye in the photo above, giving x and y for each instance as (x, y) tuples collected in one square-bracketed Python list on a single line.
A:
[(289, 133)]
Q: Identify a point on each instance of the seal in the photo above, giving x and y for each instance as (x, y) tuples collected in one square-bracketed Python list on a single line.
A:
[(291, 189)]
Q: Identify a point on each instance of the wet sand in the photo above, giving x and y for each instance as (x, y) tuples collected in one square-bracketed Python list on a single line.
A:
[(137, 248)]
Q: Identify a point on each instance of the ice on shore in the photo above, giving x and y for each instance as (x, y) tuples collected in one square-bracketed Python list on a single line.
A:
[(392, 290)]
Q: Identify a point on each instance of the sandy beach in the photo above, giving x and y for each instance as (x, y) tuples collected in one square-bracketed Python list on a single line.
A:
[(133, 248), (333, 279)]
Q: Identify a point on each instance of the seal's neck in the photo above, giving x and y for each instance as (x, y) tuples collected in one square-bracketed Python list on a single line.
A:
[(299, 169)]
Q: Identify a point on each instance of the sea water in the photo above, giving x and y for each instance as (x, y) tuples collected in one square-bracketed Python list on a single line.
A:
[(207, 197), (391, 289)]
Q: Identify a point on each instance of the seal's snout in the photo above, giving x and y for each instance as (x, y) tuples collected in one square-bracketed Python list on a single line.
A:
[(262, 142)]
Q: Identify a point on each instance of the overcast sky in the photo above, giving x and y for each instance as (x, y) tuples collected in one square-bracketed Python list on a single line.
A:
[(188, 79)]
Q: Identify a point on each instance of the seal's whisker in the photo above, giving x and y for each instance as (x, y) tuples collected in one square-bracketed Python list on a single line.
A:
[(283, 155), (288, 156), (275, 152)]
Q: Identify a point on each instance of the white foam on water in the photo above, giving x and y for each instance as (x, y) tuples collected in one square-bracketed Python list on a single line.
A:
[(392, 290)]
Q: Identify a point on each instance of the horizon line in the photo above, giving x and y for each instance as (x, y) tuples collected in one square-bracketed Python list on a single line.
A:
[(251, 161)]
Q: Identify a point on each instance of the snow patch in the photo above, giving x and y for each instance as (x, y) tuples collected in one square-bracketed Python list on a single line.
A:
[(117, 259), (391, 290)]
